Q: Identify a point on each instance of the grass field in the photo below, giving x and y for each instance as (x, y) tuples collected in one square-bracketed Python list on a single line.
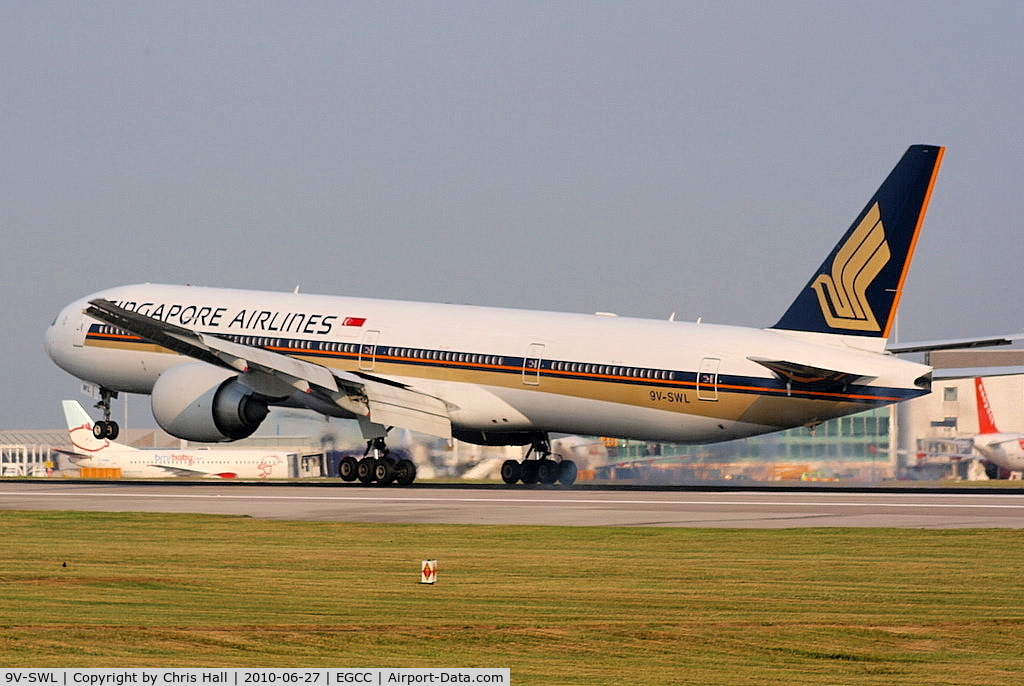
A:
[(557, 605)]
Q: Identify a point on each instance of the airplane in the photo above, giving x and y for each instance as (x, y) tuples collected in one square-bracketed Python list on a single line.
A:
[(1003, 449), (214, 360), (137, 463)]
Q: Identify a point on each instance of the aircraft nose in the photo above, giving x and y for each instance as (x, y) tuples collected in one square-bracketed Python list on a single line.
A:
[(50, 337), (57, 337)]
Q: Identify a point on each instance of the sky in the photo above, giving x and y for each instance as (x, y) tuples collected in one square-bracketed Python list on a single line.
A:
[(641, 158)]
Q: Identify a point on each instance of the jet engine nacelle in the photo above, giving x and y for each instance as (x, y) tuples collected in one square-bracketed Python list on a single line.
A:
[(199, 402)]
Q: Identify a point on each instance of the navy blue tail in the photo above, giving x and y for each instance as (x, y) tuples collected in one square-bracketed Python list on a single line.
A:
[(857, 289)]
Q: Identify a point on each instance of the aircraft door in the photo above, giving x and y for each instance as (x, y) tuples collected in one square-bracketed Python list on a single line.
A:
[(531, 364), (81, 331), (368, 351), (707, 379)]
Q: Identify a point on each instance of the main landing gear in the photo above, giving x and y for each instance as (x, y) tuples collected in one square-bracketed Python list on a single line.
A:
[(542, 469), (377, 466), (106, 427)]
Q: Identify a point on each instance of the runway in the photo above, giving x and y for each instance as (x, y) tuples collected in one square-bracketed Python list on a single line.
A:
[(511, 506)]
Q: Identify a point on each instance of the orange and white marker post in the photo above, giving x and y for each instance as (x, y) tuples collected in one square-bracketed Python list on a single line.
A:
[(428, 572)]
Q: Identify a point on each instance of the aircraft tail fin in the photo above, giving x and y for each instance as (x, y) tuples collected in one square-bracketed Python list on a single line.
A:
[(857, 289), (986, 422), (80, 427)]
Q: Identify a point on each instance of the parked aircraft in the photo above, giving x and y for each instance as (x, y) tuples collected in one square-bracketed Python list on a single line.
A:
[(136, 463), (511, 377), (1003, 449)]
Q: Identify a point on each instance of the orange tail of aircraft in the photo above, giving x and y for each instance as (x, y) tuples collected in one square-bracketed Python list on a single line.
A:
[(986, 423)]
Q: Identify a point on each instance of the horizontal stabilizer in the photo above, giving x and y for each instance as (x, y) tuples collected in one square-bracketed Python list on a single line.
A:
[(807, 376), (954, 344), (973, 372)]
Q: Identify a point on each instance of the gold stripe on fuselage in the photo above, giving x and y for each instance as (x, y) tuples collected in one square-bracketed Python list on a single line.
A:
[(732, 403)]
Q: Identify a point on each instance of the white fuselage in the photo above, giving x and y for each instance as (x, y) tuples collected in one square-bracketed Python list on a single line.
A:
[(1003, 449), (503, 371), (227, 463)]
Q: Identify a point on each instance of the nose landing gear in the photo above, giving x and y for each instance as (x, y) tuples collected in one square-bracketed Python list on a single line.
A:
[(105, 428)]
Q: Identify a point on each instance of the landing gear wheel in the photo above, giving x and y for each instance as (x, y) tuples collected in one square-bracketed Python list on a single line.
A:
[(528, 471), (405, 472), (347, 468), (547, 471), (384, 471), (105, 429), (567, 472), (511, 470), (365, 469)]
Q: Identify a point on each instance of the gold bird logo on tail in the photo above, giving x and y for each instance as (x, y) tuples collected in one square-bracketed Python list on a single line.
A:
[(843, 293)]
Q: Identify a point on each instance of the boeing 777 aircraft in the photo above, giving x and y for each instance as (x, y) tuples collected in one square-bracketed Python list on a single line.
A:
[(1000, 448), (213, 360)]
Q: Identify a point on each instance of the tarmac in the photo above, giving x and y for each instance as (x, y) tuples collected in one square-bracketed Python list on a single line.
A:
[(500, 505)]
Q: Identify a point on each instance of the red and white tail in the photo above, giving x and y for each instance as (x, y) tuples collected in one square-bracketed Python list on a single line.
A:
[(986, 424), (80, 427)]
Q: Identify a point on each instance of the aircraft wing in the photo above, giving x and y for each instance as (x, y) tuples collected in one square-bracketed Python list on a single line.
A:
[(379, 399), (179, 471)]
